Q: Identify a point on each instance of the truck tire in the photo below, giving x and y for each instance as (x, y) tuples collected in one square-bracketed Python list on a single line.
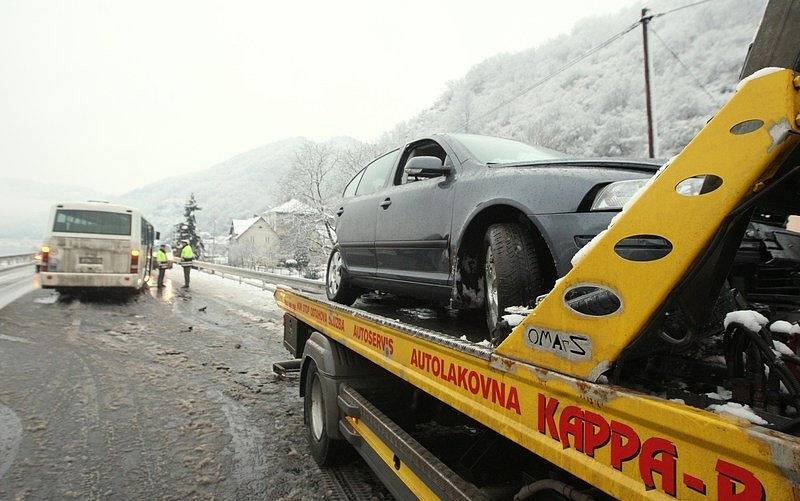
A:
[(325, 450), (337, 284), (512, 270)]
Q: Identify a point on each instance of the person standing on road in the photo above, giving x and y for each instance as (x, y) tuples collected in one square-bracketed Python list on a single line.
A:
[(162, 262), (187, 256)]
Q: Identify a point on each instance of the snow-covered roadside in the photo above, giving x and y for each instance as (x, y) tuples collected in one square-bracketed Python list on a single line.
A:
[(16, 283), (242, 294)]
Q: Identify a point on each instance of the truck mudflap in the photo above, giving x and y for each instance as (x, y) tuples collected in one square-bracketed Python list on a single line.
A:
[(629, 444), (395, 456)]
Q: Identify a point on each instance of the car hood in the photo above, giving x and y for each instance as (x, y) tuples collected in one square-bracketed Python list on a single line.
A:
[(648, 165)]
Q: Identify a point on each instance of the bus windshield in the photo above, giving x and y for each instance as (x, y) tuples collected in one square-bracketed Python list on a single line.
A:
[(92, 221)]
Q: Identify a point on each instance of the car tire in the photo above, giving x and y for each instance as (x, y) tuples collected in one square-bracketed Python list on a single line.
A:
[(325, 450), (512, 270), (337, 283)]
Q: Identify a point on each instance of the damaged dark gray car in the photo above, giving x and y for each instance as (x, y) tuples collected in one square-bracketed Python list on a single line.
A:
[(481, 222)]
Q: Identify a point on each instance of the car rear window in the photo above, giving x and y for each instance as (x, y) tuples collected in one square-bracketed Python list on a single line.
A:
[(92, 221), (495, 150)]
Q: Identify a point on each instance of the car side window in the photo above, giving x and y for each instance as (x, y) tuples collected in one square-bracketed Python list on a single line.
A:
[(426, 148), (350, 189), (375, 174)]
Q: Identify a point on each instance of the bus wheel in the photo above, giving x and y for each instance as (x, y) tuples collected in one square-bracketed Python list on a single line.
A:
[(325, 450)]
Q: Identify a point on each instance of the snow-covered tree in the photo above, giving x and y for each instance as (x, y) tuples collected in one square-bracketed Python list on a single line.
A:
[(187, 229), (314, 178)]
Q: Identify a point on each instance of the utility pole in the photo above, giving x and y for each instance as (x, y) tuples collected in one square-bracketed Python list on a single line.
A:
[(645, 19)]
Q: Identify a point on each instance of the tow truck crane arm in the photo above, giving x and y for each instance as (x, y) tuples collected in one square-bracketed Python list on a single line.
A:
[(609, 305)]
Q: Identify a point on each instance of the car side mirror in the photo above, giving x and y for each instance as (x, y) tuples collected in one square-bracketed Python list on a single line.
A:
[(426, 167), (158, 235)]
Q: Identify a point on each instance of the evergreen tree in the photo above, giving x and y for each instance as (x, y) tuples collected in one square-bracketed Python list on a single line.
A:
[(187, 230)]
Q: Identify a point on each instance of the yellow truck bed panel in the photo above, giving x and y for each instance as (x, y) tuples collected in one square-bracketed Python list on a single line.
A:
[(628, 444)]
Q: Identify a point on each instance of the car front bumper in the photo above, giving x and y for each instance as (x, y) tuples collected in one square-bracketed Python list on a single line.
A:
[(566, 233)]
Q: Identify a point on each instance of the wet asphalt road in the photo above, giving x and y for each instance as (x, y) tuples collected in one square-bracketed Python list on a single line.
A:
[(159, 396)]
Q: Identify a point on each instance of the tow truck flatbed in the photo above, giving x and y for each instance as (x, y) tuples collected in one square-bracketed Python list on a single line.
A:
[(629, 445)]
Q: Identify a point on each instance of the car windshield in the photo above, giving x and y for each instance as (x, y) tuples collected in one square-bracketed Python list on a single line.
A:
[(495, 150)]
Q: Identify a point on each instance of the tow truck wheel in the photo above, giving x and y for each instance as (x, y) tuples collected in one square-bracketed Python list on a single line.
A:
[(512, 272), (337, 283), (325, 450)]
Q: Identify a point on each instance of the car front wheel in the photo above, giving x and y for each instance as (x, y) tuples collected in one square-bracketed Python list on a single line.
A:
[(337, 283), (512, 270)]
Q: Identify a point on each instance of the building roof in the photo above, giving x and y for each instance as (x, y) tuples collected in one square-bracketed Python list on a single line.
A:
[(239, 226), (293, 206)]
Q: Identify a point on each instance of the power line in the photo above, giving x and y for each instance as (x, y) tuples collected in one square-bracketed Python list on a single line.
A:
[(685, 67), (558, 71), (588, 53), (676, 9)]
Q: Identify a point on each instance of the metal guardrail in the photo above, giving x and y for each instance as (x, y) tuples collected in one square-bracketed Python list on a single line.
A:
[(15, 261), (299, 283)]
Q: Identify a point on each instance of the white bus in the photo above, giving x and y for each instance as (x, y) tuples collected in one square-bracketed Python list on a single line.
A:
[(96, 244)]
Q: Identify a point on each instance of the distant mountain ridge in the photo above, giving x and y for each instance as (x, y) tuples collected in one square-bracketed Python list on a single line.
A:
[(237, 188)]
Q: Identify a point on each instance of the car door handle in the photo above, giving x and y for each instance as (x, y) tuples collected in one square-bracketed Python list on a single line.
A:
[(340, 211), (386, 203)]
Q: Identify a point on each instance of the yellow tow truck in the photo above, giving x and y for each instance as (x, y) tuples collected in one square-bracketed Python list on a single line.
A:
[(550, 411)]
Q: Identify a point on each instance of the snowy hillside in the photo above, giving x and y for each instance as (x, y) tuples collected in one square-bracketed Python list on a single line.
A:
[(597, 106)]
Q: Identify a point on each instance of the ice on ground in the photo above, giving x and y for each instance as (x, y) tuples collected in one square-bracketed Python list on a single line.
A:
[(782, 348), (738, 410), (420, 313), (603, 379), (751, 320), (513, 319), (758, 74), (519, 310), (781, 327), (720, 394), (677, 400), (46, 300)]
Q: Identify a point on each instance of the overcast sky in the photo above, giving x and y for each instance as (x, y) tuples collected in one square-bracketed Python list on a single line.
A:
[(115, 94)]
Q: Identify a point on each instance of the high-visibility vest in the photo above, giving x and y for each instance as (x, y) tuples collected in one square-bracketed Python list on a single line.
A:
[(187, 252), (161, 256)]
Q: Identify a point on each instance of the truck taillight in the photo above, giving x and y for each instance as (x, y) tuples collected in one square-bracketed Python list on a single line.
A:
[(45, 258), (134, 261)]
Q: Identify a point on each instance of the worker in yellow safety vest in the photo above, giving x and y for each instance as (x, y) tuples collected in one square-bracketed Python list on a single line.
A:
[(162, 262), (187, 256)]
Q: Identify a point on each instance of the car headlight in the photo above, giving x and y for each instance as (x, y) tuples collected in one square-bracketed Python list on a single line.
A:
[(616, 195)]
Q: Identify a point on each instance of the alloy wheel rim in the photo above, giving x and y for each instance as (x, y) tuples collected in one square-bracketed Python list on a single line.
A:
[(334, 273), (491, 286)]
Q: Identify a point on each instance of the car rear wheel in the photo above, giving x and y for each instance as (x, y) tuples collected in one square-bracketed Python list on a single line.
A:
[(512, 270), (337, 283)]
